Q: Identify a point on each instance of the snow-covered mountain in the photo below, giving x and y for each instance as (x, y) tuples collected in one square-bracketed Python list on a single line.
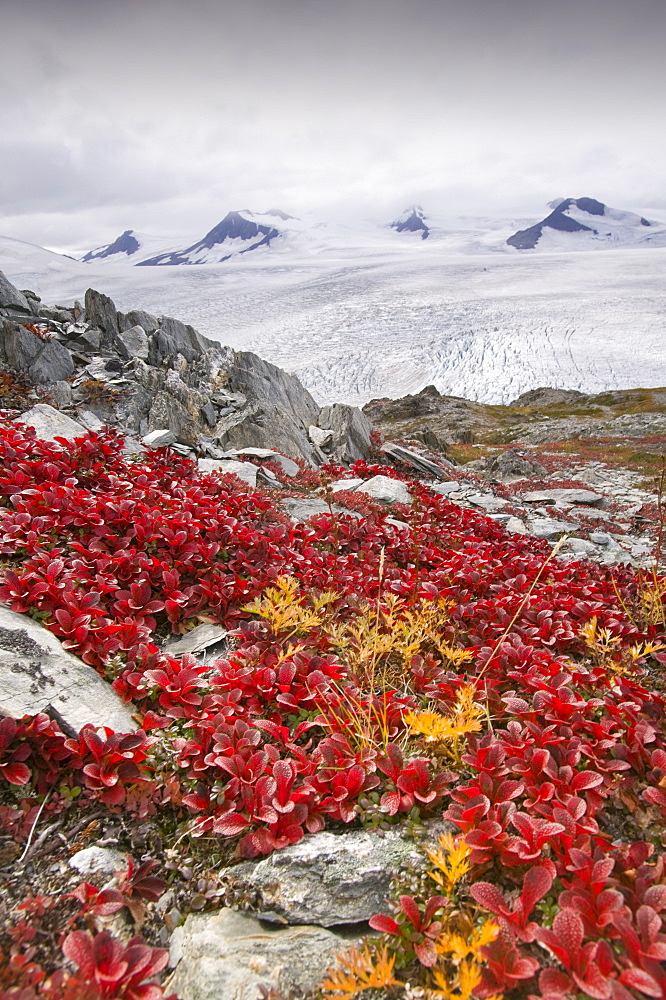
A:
[(588, 224), (127, 244), (237, 233), (412, 220), (360, 310)]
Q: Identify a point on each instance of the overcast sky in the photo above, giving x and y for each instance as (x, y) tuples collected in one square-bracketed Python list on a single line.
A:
[(161, 115)]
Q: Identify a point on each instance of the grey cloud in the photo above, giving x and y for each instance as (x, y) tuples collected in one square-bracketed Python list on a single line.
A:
[(144, 113)]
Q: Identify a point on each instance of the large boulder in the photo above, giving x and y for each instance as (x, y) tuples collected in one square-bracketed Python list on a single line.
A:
[(10, 297), (227, 956), (38, 675), (327, 878), (49, 423), (350, 432), (43, 361)]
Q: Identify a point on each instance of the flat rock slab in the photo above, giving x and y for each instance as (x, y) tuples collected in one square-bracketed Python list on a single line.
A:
[(487, 501), (198, 639), (37, 673), (229, 956), (585, 497), (445, 488), (302, 508), (50, 423), (244, 470), (550, 528), (346, 484), (386, 490), (328, 879)]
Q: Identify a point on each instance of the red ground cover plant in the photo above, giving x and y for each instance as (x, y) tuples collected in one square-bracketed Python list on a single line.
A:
[(342, 626)]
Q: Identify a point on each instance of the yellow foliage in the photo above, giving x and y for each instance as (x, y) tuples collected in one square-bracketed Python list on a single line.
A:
[(451, 862), (458, 971), (448, 730), (361, 970), (285, 610)]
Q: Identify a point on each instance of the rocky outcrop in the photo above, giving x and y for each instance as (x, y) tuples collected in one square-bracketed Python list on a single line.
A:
[(144, 374), (327, 879), (38, 675), (229, 956)]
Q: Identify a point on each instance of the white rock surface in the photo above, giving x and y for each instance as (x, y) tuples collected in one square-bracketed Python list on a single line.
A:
[(98, 859), (36, 672), (386, 490), (50, 423), (319, 435), (227, 956), (244, 470), (346, 484), (326, 878), (160, 438)]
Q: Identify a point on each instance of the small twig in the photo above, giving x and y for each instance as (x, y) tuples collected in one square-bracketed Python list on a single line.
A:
[(34, 826)]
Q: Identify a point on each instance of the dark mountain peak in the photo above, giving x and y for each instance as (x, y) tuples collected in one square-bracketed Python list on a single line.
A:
[(527, 239), (412, 221), (234, 226), (126, 243)]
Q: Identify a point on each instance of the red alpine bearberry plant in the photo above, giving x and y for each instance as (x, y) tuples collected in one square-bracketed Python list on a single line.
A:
[(375, 674)]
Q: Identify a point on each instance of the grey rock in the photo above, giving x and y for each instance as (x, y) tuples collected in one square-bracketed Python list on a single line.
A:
[(300, 509), (38, 675), (61, 393), (416, 461), (550, 528), (226, 956), (539, 496), (350, 432), (162, 437), (11, 297), (90, 420), (137, 317), (346, 484), (319, 436), (101, 312), (601, 538), (134, 343), (43, 361), (244, 470), (568, 496), (516, 526), (289, 467), (90, 340), (102, 860), (446, 488), (50, 423), (487, 501), (397, 523), (198, 639), (386, 490), (578, 545), (253, 452), (174, 337), (328, 879), (209, 413), (511, 465)]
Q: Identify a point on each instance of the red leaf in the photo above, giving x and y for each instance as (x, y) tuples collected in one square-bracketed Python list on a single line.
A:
[(640, 980), (385, 925), (16, 774)]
